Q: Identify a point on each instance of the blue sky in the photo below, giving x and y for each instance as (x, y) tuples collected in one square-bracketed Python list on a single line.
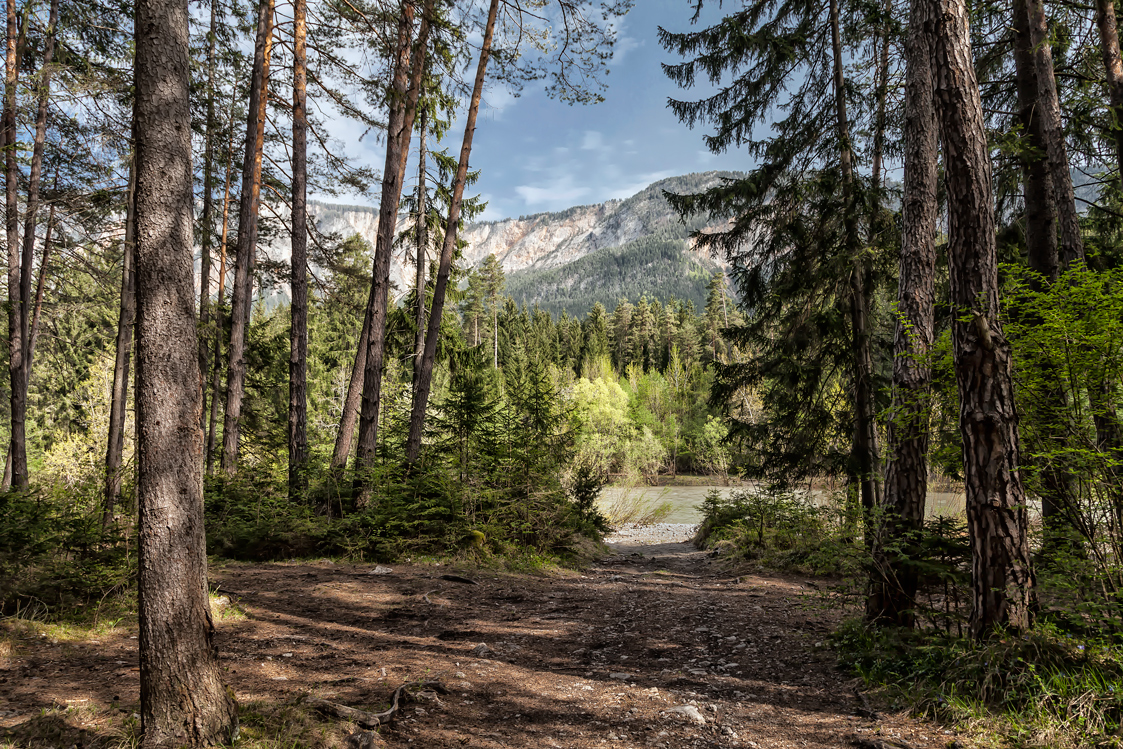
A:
[(537, 154)]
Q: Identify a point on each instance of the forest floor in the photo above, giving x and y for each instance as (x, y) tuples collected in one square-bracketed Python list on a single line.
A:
[(654, 645)]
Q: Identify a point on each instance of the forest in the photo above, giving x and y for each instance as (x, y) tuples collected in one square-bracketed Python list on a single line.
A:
[(917, 287)]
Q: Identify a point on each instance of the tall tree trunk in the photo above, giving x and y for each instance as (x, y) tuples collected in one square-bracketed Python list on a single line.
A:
[(207, 222), (894, 579), (1040, 210), (1113, 65), (422, 246), (41, 285), (1001, 574), (866, 447), (216, 376), (396, 142), (241, 300), (357, 389), (17, 448), (399, 131), (35, 178), (182, 697), (1050, 208), (298, 330), (1052, 129), (448, 247), (126, 318)]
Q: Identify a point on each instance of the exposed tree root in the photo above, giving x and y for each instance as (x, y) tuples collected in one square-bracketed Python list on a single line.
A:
[(364, 718)]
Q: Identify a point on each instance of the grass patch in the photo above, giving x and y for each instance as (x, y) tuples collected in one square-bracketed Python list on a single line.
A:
[(1042, 689)]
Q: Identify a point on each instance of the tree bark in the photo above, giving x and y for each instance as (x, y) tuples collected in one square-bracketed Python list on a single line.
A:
[(241, 300), (207, 222), (894, 579), (1071, 247), (356, 386), (17, 448), (1113, 65), (216, 376), (403, 109), (422, 247), (182, 697), (866, 443), (126, 318), (448, 247), (298, 330), (40, 286), (1001, 574), (1040, 210)]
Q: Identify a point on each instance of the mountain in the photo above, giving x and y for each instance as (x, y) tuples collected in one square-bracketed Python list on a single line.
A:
[(570, 259)]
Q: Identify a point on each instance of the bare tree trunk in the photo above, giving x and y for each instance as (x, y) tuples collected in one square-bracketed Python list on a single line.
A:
[(216, 377), (357, 385), (1052, 129), (207, 222), (406, 90), (866, 447), (182, 697), (422, 247), (895, 579), (40, 286), (126, 318), (298, 330), (17, 448), (424, 381), (241, 300), (351, 402), (1001, 574), (1113, 64), (396, 141)]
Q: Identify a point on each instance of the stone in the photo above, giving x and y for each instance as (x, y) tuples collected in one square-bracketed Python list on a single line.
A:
[(690, 712)]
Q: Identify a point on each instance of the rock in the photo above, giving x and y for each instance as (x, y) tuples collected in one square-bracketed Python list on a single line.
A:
[(482, 651), (380, 570), (689, 712), (620, 676), (365, 740)]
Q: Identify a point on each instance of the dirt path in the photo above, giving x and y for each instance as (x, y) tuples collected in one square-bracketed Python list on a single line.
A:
[(654, 646)]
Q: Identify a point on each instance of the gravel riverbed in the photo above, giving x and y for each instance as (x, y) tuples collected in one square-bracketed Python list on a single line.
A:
[(631, 534)]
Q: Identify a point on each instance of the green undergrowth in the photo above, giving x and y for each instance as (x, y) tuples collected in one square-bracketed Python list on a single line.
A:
[(778, 529), (1044, 689)]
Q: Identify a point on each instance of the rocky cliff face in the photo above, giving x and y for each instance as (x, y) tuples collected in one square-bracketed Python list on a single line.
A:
[(538, 242)]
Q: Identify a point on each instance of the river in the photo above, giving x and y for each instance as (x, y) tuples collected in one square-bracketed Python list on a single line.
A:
[(686, 501)]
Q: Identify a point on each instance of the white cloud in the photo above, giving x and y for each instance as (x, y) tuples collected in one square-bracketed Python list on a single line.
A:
[(562, 193), (593, 141)]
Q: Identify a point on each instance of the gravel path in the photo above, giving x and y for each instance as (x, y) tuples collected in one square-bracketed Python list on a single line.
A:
[(631, 534)]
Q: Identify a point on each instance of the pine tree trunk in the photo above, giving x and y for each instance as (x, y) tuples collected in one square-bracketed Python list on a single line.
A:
[(241, 300), (422, 246), (126, 318), (207, 221), (216, 376), (866, 448), (1071, 246), (1001, 575), (40, 286), (396, 142), (405, 94), (364, 389), (894, 580), (448, 247), (1050, 208), (298, 330), (182, 697), (1040, 210), (17, 449), (1113, 64)]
